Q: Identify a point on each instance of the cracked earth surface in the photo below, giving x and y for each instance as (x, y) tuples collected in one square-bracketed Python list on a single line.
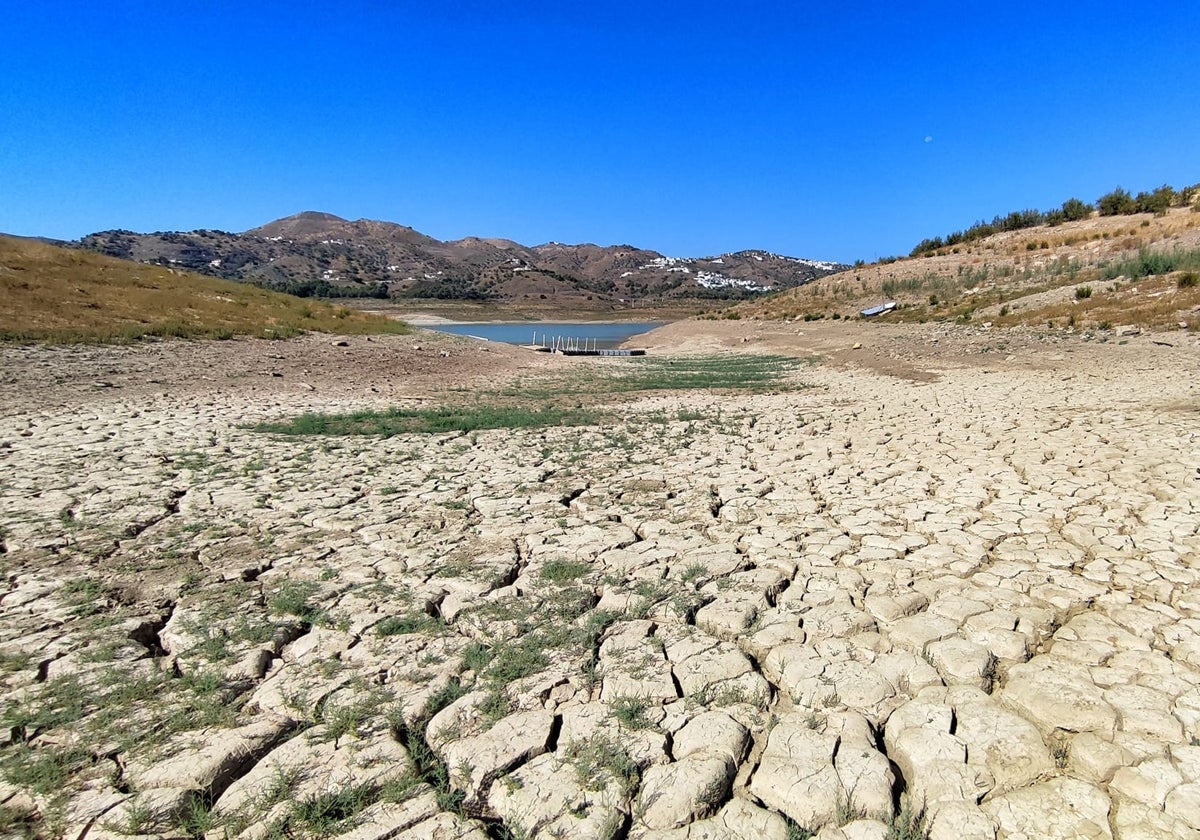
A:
[(974, 593)]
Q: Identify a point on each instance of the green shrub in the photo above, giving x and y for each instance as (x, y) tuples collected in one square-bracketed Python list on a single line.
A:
[(1116, 203), (1156, 202), (1187, 280), (1083, 293), (1073, 210)]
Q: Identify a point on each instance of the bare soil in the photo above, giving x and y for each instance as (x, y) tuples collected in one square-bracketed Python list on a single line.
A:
[(383, 368)]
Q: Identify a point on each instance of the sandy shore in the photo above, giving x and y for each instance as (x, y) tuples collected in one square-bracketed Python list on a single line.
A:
[(951, 571)]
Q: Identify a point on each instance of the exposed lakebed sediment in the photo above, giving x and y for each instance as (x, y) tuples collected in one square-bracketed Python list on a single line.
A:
[(721, 616)]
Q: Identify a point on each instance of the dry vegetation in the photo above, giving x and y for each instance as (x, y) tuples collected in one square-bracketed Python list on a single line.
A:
[(59, 294), (1139, 270)]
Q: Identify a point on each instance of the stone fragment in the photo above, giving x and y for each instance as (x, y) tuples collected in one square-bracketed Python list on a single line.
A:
[(714, 733), (960, 821), (796, 775), (1094, 759), (551, 797), (960, 662), (1148, 782), (676, 794), (474, 761), (917, 631), (1060, 809), (386, 819), (1183, 803), (738, 820), (1004, 742), (1058, 695), (1144, 711), (207, 760), (1138, 821), (443, 826)]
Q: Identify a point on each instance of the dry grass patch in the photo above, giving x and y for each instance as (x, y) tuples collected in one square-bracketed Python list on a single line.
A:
[(1156, 302), (64, 295)]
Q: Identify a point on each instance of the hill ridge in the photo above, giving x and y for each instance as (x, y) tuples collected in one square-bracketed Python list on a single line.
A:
[(322, 254)]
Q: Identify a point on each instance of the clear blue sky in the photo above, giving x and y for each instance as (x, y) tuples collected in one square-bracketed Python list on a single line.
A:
[(834, 130)]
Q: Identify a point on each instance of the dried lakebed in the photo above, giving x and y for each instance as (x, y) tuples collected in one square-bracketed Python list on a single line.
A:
[(873, 607)]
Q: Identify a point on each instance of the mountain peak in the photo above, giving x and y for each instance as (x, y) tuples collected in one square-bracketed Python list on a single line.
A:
[(305, 223)]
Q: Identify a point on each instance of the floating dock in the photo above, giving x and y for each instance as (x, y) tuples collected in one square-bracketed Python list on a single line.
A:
[(568, 346)]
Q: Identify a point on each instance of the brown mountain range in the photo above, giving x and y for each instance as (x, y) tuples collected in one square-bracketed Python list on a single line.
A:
[(321, 254)]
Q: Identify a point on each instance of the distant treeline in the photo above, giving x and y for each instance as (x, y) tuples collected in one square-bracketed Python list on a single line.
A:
[(324, 289), (1119, 202)]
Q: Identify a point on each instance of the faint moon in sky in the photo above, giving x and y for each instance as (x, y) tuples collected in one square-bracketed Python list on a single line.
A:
[(928, 138)]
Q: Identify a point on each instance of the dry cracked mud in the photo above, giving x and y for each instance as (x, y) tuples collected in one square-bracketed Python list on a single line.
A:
[(959, 605)]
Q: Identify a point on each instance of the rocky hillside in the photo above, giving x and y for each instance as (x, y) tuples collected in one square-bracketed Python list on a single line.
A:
[(324, 255)]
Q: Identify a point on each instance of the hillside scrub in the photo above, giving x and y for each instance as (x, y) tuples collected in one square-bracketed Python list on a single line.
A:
[(1119, 202)]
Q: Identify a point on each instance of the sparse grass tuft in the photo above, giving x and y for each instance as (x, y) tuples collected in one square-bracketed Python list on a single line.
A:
[(631, 711), (1060, 750), (601, 761), (909, 823), (795, 831)]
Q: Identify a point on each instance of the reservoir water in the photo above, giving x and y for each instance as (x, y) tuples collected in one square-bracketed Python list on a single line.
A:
[(600, 335)]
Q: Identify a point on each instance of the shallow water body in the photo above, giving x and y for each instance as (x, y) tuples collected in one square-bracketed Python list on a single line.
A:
[(600, 335)]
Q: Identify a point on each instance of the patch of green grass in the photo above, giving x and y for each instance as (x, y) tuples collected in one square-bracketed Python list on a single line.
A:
[(425, 764), (331, 812), (795, 831), (139, 817), (1147, 263), (292, 598), (398, 421), (58, 702), (517, 659), (558, 400), (732, 371), (400, 625), (631, 711), (197, 817), (476, 656), (495, 705), (43, 770), (16, 823), (343, 719), (601, 761), (17, 661), (563, 571)]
